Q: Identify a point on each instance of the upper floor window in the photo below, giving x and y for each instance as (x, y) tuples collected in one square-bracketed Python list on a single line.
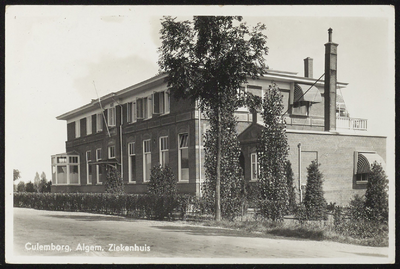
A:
[(77, 128), (131, 112), (111, 152), (89, 125), (111, 116), (161, 103), (99, 122)]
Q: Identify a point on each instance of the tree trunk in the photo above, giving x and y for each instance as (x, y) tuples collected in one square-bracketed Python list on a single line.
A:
[(218, 172)]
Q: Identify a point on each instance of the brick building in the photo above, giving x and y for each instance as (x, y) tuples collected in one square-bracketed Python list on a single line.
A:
[(142, 125)]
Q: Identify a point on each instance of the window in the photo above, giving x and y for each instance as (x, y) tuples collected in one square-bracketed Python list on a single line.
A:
[(99, 169), (88, 167), (146, 160), (111, 116), (77, 128), (131, 162), (164, 154), (131, 112), (183, 157), (301, 108), (362, 178), (111, 152), (161, 102), (65, 169), (99, 122), (88, 125), (143, 108), (254, 166)]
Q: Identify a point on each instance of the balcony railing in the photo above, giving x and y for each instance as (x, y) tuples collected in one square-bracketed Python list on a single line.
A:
[(351, 123)]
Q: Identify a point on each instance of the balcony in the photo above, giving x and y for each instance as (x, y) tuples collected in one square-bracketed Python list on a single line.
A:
[(351, 123)]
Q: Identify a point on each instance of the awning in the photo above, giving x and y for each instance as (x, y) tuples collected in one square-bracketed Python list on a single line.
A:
[(365, 160), (303, 92), (100, 162)]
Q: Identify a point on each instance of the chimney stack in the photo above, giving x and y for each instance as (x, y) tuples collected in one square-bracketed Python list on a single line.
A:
[(330, 83), (308, 67)]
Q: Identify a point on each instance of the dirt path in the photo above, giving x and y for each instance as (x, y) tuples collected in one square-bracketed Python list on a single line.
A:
[(76, 234)]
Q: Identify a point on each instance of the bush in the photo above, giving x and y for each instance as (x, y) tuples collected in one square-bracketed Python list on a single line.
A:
[(114, 182), (376, 196), (162, 181), (314, 200)]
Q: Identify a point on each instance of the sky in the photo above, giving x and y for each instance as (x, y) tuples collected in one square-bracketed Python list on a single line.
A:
[(55, 55)]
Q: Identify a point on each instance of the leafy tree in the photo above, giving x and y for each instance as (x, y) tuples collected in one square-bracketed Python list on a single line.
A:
[(314, 200), (44, 186), (272, 152), (162, 181), (30, 187), (16, 174), (290, 186), (376, 196), (21, 186), (208, 60), (114, 182)]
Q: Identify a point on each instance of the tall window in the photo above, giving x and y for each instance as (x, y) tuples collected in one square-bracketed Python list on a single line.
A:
[(254, 166), (144, 110), (146, 160), (77, 128), (89, 125), (131, 112), (164, 154), (88, 167), (99, 122), (99, 169), (111, 152), (132, 162), (111, 116), (183, 157), (73, 170), (161, 102)]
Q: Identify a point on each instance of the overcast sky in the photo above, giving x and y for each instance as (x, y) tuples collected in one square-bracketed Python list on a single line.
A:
[(54, 53)]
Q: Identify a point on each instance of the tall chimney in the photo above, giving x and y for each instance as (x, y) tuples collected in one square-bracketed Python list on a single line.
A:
[(330, 83), (308, 67)]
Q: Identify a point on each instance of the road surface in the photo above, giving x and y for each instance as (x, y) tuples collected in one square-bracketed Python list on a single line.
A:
[(41, 234)]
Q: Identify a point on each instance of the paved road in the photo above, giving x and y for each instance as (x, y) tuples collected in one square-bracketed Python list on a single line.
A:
[(80, 234)]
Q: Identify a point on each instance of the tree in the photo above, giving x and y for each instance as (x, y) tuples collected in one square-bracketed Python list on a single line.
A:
[(291, 187), (21, 186), (162, 181), (36, 181), (44, 186), (30, 187), (314, 201), (114, 183), (16, 174), (207, 60), (272, 152), (376, 196)]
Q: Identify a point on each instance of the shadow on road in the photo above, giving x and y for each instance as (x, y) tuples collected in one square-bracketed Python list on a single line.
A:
[(209, 231), (93, 218)]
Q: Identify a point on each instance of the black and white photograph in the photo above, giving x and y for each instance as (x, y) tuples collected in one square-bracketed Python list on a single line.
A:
[(199, 134)]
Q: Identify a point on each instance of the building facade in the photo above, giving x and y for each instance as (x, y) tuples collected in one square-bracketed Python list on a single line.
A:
[(143, 125)]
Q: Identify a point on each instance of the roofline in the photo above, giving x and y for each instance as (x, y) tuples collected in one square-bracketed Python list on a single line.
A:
[(270, 74), (111, 96)]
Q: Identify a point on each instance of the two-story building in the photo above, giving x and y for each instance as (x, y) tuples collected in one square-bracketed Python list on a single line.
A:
[(142, 125)]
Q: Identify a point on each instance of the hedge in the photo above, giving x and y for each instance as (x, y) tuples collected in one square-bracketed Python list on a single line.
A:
[(134, 205)]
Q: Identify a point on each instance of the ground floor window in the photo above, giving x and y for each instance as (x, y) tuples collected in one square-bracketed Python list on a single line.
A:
[(164, 151), (88, 167), (132, 161), (65, 169), (183, 157), (254, 166), (99, 168), (146, 160), (362, 178)]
